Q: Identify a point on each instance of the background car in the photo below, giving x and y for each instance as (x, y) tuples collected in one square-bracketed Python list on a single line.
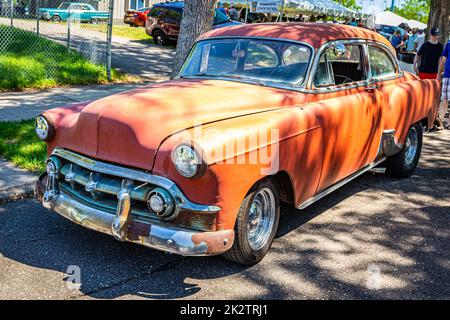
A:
[(136, 18), (388, 31), (83, 12), (163, 22)]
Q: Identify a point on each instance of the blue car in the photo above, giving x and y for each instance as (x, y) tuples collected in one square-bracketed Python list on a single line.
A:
[(78, 11), (163, 21)]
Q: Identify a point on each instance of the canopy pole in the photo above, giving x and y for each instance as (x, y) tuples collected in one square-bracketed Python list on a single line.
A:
[(247, 5)]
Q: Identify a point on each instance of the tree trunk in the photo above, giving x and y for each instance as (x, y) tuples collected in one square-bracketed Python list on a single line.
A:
[(198, 17), (440, 18)]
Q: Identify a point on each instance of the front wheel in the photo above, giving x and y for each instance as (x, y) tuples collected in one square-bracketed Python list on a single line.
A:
[(56, 18), (256, 224), (403, 164), (160, 38)]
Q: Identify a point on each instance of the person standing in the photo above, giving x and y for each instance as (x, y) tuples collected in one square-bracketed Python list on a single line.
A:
[(397, 40), (444, 76), (426, 61), (411, 44), (233, 13), (420, 40)]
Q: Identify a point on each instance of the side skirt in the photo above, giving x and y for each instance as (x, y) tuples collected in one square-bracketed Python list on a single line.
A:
[(339, 184)]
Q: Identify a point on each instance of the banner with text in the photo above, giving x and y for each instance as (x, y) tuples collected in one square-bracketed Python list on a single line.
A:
[(266, 6)]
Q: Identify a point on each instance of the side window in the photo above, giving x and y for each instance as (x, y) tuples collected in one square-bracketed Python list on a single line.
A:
[(335, 69), (381, 64), (260, 56), (173, 15), (156, 12)]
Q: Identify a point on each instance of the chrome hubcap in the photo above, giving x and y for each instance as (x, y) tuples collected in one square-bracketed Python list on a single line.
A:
[(411, 144), (261, 218)]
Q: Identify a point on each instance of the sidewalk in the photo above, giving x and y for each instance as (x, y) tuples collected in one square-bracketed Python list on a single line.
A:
[(15, 106), (14, 182)]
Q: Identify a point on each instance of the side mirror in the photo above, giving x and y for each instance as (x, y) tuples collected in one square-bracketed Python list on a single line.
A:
[(339, 49)]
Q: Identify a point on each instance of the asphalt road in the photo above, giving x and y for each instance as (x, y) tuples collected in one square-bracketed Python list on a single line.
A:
[(375, 238)]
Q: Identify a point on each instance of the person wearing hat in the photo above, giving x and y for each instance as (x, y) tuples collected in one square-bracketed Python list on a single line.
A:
[(426, 61), (444, 76)]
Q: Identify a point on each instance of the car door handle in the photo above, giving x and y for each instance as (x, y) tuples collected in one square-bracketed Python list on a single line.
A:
[(371, 87)]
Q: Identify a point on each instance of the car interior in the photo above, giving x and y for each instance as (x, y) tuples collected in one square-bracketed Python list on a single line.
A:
[(337, 70)]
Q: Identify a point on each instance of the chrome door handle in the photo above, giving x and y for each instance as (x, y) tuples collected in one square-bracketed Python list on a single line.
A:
[(371, 87)]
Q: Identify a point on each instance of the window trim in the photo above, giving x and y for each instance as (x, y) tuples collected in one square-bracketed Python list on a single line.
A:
[(398, 72), (311, 88)]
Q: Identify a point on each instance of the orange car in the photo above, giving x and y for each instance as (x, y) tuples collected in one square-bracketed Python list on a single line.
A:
[(258, 115)]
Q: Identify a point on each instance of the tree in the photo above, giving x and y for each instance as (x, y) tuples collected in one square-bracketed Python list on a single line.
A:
[(414, 9), (440, 17), (198, 17), (351, 4)]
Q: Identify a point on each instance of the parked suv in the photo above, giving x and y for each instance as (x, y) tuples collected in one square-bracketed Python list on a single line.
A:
[(163, 21)]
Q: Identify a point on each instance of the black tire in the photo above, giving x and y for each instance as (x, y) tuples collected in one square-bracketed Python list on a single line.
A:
[(242, 252), (159, 38), (403, 164), (56, 18)]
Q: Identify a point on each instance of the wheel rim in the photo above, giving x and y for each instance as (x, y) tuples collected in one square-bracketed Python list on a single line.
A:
[(261, 218), (412, 141), (159, 38)]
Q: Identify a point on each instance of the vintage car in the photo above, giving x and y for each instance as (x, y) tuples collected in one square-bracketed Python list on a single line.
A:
[(258, 115), (82, 12)]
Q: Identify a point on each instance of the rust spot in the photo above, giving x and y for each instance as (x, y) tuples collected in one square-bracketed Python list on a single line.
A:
[(138, 229), (217, 242)]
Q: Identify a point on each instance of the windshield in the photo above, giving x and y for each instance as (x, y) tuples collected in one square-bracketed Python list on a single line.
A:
[(278, 62), (220, 17)]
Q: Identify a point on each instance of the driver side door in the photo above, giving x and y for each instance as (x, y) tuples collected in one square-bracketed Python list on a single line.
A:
[(348, 108)]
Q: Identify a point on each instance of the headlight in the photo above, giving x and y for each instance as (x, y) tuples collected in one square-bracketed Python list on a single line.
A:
[(43, 129), (187, 161)]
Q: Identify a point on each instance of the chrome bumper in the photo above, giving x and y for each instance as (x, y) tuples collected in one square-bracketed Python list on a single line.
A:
[(124, 228)]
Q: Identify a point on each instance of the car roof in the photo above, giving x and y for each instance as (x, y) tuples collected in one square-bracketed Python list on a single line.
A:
[(178, 4), (315, 34)]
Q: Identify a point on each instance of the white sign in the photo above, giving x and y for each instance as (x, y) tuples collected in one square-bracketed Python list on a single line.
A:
[(266, 6)]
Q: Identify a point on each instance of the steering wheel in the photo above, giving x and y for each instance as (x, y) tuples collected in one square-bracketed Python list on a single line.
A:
[(345, 79)]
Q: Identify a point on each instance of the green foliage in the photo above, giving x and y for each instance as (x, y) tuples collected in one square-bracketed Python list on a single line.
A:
[(414, 9), (20, 145), (29, 61), (351, 4)]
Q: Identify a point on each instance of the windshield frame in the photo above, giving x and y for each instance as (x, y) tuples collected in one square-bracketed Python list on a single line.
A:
[(298, 87)]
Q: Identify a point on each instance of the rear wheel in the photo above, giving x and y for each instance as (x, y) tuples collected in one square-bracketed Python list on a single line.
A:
[(56, 18), (403, 164), (256, 224), (160, 38)]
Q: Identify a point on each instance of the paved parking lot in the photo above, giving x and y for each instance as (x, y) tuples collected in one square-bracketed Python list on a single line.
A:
[(375, 238)]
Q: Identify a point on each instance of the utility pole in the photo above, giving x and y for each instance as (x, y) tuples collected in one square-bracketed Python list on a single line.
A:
[(392, 5)]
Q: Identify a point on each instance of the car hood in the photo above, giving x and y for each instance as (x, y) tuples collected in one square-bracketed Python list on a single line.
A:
[(129, 127)]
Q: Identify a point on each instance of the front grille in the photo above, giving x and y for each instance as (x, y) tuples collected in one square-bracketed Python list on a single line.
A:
[(100, 191)]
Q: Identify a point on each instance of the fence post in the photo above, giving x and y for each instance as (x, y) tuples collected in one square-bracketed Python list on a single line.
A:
[(68, 25), (109, 39), (11, 14), (38, 15)]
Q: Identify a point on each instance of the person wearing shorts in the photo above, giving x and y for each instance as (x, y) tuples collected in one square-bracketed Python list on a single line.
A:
[(444, 76)]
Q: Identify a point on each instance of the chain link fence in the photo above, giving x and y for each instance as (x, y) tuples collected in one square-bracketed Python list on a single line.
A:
[(57, 36)]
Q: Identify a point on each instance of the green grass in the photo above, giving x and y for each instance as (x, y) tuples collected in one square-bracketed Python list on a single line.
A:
[(20, 145), (29, 61), (121, 31)]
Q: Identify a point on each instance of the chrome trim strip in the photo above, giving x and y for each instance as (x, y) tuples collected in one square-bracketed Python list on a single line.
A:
[(339, 184), (125, 173)]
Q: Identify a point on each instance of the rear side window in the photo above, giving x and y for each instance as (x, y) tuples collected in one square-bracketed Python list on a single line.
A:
[(381, 64), (156, 12)]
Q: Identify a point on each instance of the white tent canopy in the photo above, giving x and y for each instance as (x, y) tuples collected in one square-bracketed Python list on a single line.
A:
[(416, 24), (389, 18)]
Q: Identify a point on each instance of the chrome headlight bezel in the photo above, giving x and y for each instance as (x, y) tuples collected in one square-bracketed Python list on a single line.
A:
[(43, 128), (188, 161)]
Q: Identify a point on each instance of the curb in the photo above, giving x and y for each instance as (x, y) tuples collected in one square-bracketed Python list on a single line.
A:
[(17, 193)]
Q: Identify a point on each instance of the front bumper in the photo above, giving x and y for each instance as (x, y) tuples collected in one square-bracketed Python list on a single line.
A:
[(125, 228)]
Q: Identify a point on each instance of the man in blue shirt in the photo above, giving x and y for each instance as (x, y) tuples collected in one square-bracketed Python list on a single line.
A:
[(444, 76), (411, 40), (397, 40)]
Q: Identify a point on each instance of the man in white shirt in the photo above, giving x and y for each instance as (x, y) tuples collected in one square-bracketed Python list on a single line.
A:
[(419, 40)]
